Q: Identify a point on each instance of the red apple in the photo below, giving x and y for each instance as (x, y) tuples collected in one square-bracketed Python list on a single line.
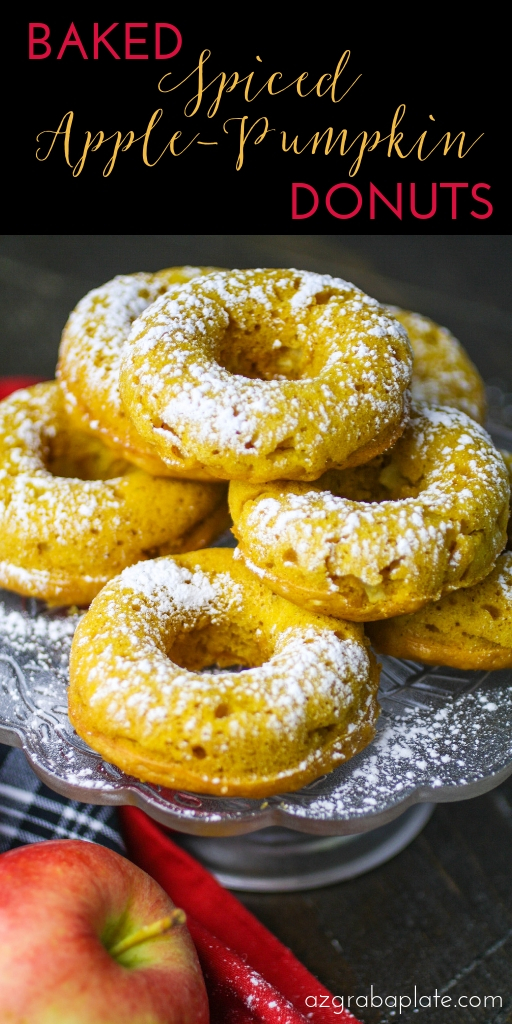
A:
[(68, 908)]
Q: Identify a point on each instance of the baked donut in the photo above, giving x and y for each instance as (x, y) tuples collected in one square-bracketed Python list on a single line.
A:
[(507, 458), (90, 354), (426, 517), (469, 629), (304, 702), (73, 514), (442, 372), (262, 374)]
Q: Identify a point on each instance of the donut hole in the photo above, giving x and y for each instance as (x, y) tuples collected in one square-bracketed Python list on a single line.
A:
[(222, 645), (268, 350), (384, 478), (79, 456), (359, 484), (392, 479), (281, 362)]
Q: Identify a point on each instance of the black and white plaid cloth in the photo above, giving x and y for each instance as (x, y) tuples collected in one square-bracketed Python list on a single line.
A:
[(30, 812)]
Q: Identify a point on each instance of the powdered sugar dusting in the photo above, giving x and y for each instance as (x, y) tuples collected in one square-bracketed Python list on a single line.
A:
[(380, 541), (24, 630), (180, 393), (35, 503), (428, 741), (145, 687), (93, 341)]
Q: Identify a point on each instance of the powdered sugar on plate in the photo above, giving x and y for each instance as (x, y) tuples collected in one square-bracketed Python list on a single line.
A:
[(443, 735)]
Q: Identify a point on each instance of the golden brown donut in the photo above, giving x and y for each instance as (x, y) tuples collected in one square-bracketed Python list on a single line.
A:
[(304, 702), (469, 629), (73, 514), (89, 359), (426, 517), (442, 372), (262, 374), (507, 458)]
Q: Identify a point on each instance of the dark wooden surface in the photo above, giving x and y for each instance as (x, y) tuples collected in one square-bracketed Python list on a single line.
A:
[(439, 915)]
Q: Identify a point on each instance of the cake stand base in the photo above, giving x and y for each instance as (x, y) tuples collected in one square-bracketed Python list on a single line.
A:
[(282, 860)]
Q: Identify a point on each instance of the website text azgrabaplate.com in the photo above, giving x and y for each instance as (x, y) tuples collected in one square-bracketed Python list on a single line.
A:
[(398, 1004)]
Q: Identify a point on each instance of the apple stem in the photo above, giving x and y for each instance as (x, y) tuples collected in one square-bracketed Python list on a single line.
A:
[(150, 931)]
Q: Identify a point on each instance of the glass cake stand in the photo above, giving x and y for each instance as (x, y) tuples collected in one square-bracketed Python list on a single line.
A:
[(443, 735)]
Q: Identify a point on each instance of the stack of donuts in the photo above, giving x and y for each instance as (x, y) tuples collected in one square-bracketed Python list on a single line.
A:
[(363, 490)]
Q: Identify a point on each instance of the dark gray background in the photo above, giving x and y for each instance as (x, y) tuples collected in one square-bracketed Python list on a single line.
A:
[(440, 914)]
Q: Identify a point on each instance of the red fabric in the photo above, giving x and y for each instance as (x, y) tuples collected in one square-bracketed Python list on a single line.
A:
[(9, 384), (250, 976)]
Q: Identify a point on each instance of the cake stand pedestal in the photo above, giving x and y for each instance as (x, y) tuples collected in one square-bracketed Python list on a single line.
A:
[(281, 860)]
